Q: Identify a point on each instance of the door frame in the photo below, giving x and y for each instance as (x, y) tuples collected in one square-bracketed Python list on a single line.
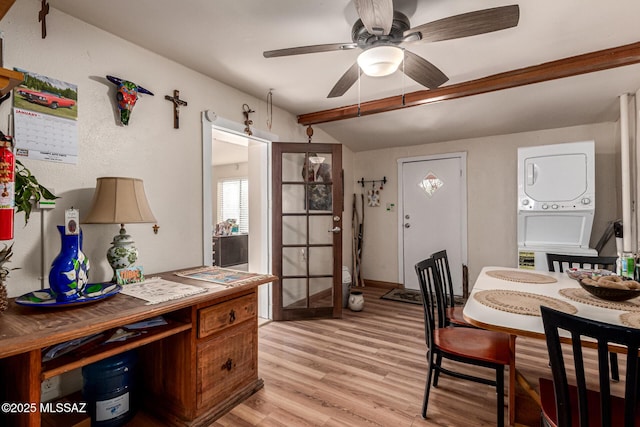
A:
[(462, 155), (337, 183), (211, 121)]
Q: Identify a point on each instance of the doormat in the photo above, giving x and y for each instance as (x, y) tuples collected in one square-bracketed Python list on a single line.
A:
[(404, 295)]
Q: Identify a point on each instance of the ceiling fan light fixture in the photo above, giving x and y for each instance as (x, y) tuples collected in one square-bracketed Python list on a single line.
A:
[(316, 159), (379, 61)]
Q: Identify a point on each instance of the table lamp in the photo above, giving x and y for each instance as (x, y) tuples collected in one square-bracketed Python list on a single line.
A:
[(120, 201)]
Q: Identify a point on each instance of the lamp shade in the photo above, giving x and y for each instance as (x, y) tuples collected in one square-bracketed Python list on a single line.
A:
[(379, 61), (119, 201)]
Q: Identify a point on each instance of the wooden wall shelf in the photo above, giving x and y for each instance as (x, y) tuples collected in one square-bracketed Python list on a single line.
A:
[(9, 79), (5, 5)]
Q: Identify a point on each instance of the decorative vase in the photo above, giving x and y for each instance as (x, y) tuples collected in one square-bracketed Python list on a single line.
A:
[(70, 269), (356, 301)]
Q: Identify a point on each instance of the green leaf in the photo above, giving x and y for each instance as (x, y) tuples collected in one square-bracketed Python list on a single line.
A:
[(93, 288), (27, 188)]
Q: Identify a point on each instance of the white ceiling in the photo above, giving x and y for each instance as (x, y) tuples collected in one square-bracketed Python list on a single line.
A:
[(225, 39), (228, 148)]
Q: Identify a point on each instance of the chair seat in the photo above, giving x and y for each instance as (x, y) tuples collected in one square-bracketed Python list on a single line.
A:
[(488, 346), (454, 314), (548, 404)]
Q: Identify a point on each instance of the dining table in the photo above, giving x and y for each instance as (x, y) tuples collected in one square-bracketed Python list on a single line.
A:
[(508, 300)]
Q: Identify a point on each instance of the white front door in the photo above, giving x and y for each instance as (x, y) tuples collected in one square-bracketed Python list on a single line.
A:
[(432, 214)]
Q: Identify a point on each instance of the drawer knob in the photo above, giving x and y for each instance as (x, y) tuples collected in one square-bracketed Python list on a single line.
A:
[(228, 365), (232, 316)]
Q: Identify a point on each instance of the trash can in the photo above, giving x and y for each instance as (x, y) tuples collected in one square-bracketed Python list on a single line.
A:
[(109, 387), (346, 283)]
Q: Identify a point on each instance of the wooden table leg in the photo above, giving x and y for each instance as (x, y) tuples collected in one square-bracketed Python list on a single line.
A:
[(512, 381)]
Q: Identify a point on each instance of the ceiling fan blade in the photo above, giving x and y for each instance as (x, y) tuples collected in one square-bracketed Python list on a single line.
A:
[(423, 71), (469, 24), (308, 49), (376, 15), (346, 81)]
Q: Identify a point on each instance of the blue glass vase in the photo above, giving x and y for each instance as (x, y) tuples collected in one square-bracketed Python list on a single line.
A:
[(70, 269)]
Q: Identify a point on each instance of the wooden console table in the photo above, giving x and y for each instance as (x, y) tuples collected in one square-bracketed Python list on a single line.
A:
[(193, 370)]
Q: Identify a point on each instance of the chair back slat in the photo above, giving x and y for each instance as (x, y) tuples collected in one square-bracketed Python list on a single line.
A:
[(594, 262), (604, 334), (432, 297), (631, 391), (444, 273)]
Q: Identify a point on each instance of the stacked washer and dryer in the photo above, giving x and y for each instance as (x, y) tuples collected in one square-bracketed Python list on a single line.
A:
[(556, 201)]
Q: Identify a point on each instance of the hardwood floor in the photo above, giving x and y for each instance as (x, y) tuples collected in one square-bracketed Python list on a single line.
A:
[(367, 369)]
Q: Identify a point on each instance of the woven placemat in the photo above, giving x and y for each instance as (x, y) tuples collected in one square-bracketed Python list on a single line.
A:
[(631, 319), (521, 302), (521, 276), (580, 295)]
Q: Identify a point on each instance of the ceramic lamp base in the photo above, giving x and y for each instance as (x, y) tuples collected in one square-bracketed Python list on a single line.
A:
[(122, 253)]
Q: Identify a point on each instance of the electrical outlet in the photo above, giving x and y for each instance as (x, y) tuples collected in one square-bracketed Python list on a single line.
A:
[(50, 388)]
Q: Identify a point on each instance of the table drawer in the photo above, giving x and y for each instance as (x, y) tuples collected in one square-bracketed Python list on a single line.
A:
[(227, 362), (220, 316)]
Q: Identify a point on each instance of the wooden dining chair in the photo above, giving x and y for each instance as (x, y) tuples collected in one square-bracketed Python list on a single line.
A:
[(453, 313), (567, 402), (593, 262), (466, 345)]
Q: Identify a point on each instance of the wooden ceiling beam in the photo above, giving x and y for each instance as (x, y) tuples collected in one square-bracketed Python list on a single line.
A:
[(567, 67), (5, 5)]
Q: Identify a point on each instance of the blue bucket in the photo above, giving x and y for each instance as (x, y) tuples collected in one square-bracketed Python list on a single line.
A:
[(109, 387)]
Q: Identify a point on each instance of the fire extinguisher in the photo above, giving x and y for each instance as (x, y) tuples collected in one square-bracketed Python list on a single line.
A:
[(7, 187)]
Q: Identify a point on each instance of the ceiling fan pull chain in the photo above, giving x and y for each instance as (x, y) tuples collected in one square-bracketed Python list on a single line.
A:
[(269, 109), (404, 76), (359, 77)]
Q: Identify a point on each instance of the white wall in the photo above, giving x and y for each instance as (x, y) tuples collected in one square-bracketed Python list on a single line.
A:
[(492, 194), (168, 160)]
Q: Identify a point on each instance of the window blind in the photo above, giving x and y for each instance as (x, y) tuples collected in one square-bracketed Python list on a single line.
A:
[(233, 202)]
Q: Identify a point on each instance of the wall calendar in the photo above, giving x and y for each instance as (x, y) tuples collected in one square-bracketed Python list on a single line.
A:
[(45, 137), (45, 111)]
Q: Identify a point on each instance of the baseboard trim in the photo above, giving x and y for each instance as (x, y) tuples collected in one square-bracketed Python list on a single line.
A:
[(381, 284)]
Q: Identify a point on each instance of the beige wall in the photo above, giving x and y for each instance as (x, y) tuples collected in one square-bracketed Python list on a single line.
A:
[(168, 160), (492, 194)]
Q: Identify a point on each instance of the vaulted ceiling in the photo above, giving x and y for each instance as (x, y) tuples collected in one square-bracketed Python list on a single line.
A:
[(226, 40)]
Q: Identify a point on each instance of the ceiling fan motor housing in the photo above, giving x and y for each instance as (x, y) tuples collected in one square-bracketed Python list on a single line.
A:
[(364, 39)]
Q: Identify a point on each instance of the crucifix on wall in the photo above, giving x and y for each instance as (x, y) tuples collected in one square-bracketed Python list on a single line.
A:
[(177, 103), (42, 17)]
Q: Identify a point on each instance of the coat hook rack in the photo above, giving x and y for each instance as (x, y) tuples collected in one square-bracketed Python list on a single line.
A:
[(382, 182)]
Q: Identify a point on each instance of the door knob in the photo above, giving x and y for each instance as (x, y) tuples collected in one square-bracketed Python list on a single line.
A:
[(335, 230)]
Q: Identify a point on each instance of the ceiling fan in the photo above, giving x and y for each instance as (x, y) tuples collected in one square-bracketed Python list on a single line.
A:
[(381, 31)]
